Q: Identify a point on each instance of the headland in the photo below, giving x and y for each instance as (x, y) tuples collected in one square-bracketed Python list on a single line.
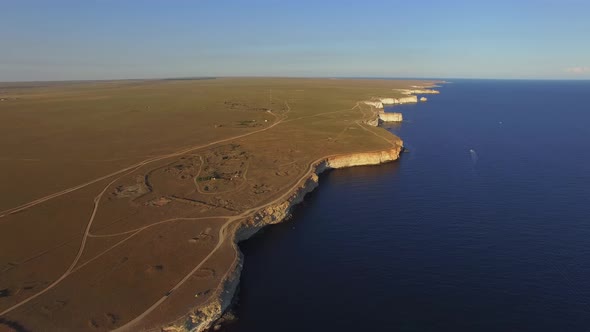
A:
[(141, 190)]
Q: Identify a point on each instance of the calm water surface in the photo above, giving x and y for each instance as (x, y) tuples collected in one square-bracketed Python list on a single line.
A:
[(484, 225)]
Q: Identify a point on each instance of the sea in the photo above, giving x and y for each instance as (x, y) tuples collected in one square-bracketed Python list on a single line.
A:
[(482, 225)]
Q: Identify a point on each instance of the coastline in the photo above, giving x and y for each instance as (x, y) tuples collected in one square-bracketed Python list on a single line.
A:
[(389, 236), (204, 318), (179, 243)]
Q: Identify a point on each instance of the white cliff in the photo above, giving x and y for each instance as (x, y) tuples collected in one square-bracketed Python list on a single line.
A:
[(400, 100), (409, 99), (376, 104), (389, 101), (390, 117), (417, 91), (205, 316), (365, 158)]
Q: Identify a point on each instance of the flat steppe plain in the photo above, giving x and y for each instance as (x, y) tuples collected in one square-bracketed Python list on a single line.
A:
[(118, 199)]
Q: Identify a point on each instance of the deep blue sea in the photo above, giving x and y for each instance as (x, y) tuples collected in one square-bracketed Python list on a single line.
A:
[(482, 225)]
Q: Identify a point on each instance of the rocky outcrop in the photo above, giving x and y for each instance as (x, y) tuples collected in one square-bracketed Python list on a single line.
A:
[(417, 91), (390, 117), (205, 316), (428, 86), (425, 91), (409, 99), (373, 122), (376, 104), (381, 116), (391, 101), (366, 158), (401, 100)]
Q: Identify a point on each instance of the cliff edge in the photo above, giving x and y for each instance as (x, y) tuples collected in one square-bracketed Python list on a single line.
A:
[(204, 317)]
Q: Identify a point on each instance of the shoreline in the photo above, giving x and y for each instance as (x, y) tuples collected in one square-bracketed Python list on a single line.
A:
[(205, 317), (273, 170)]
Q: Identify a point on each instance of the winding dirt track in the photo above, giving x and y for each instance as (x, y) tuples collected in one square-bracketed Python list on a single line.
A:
[(134, 167), (123, 172), (222, 236), (127, 170), (220, 242)]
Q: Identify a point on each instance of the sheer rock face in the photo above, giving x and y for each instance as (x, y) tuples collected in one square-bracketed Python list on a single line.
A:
[(376, 104), (365, 158), (401, 100), (205, 317), (418, 91), (391, 101), (424, 91), (390, 117)]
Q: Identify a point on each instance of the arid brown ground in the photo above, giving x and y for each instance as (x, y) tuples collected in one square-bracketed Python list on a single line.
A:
[(114, 193)]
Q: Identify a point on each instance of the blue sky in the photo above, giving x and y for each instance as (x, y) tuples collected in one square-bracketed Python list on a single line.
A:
[(112, 39)]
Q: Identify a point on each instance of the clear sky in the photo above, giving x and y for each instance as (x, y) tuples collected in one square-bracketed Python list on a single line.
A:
[(111, 39)]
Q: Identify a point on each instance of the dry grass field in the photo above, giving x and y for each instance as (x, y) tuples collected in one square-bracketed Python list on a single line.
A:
[(118, 196)]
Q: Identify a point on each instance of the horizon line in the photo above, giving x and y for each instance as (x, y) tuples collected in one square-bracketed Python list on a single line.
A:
[(289, 77)]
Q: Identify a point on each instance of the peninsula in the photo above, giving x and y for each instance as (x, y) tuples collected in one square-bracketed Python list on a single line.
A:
[(123, 201)]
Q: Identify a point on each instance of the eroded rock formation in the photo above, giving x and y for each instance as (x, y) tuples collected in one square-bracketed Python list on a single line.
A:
[(205, 316), (390, 117), (401, 100), (376, 104)]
